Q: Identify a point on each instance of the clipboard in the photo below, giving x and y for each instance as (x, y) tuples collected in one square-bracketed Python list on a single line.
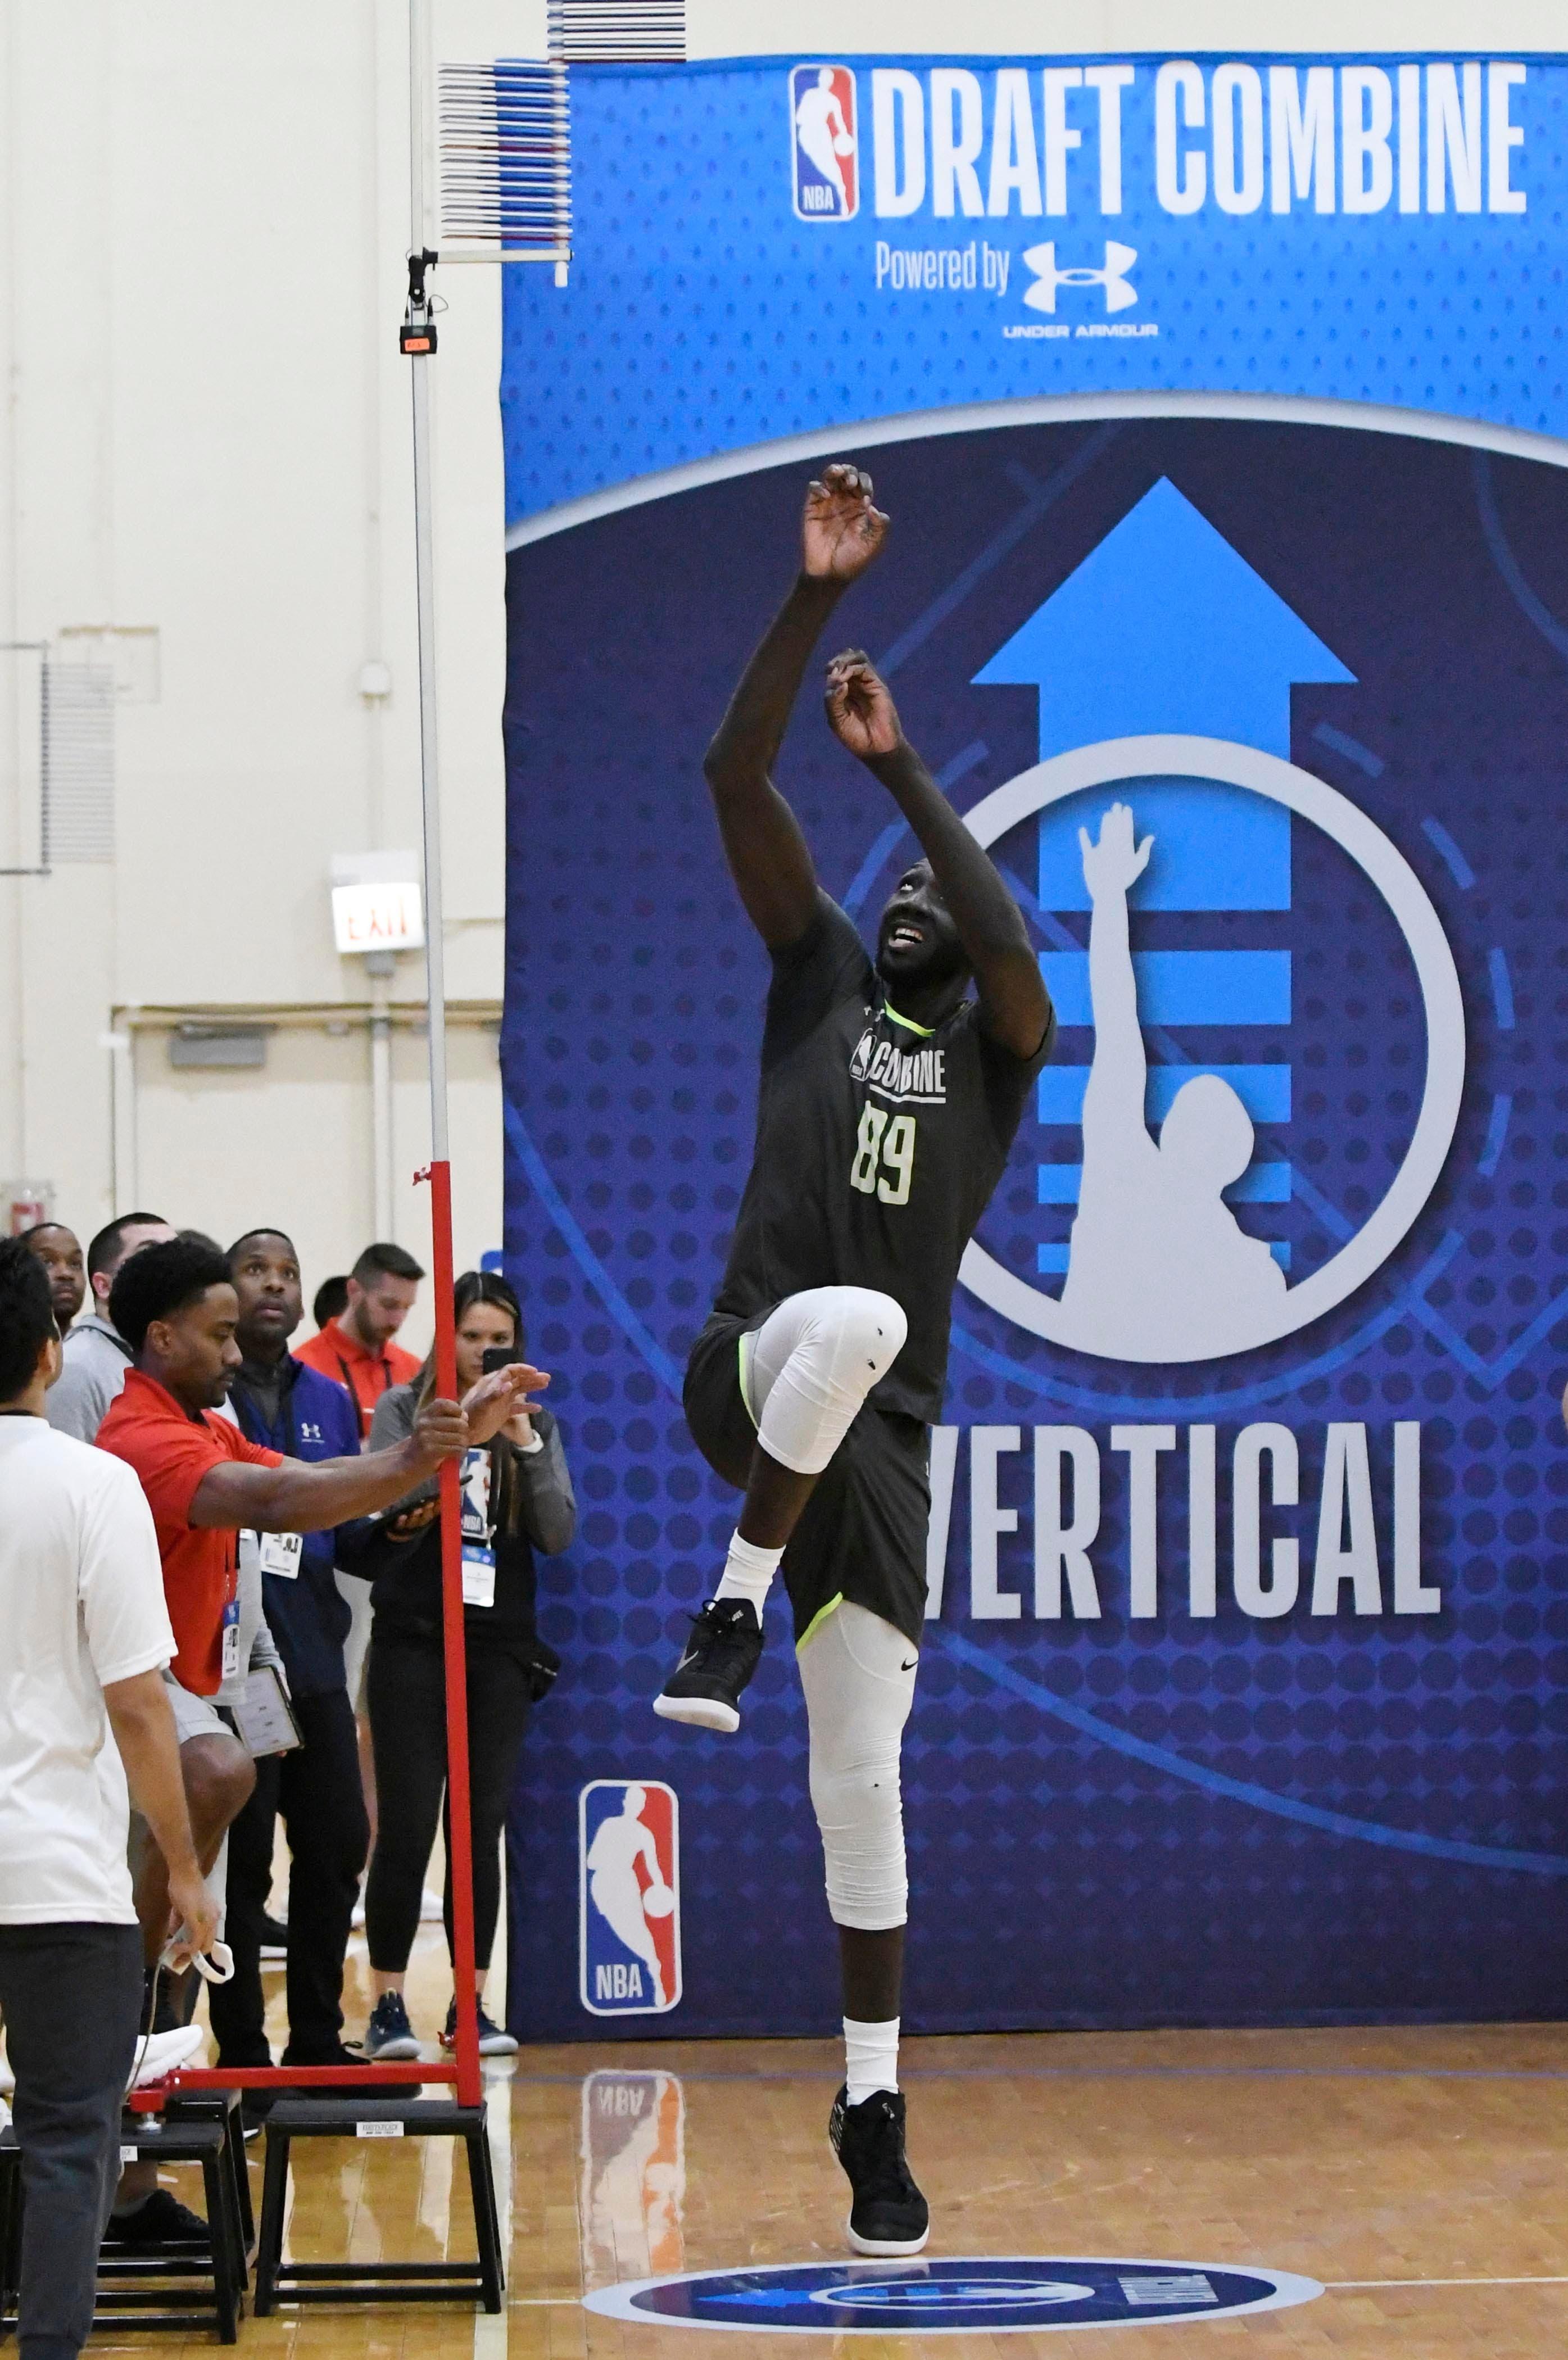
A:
[(264, 1717)]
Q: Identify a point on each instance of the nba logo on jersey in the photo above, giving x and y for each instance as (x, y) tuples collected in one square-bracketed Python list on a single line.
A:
[(824, 143), (629, 1907)]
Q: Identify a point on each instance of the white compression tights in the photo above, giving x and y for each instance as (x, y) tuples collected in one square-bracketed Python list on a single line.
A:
[(859, 1674), (807, 1371), (810, 1365)]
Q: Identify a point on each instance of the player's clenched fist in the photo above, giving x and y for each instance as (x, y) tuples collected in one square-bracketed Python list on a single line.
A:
[(841, 532)]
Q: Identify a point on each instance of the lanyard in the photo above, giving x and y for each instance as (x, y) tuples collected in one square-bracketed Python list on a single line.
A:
[(352, 1390)]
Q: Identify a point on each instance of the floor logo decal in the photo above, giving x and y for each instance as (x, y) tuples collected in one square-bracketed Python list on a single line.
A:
[(994, 2296)]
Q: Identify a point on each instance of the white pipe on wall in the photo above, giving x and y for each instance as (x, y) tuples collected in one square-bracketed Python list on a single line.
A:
[(381, 1120)]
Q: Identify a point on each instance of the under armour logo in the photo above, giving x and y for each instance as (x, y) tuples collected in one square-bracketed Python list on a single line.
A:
[(1119, 293)]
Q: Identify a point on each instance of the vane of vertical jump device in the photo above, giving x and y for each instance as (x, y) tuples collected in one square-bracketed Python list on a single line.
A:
[(505, 188), (506, 197), (506, 165), (620, 31)]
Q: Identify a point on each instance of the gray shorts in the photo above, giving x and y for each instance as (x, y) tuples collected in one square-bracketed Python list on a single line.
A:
[(194, 1716)]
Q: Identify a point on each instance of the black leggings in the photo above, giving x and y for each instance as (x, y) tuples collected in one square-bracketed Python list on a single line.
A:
[(406, 1692)]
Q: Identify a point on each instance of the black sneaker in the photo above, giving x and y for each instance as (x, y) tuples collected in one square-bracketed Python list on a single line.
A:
[(255, 2104), (390, 2036), (720, 1656), (160, 2220), (494, 2041), (339, 2054), (887, 2213)]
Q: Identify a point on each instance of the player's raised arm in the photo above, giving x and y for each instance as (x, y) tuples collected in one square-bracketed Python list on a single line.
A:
[(841, 533), (1015, 1008), (300, 1498)]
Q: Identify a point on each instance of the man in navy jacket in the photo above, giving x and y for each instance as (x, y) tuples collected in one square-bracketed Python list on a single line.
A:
[(279, 1401)]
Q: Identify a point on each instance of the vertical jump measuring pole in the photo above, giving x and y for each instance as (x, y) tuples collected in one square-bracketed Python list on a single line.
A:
[(506, 197), (460, 1838), (508, 192)]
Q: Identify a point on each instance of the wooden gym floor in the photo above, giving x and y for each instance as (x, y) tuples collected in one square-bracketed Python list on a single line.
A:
[(1422, 2176)]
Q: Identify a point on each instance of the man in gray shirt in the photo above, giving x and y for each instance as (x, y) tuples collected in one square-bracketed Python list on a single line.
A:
[(96, 1356)]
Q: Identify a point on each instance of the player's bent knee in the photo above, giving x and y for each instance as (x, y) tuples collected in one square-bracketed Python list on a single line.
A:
[(816, 1357), (871, 1329)]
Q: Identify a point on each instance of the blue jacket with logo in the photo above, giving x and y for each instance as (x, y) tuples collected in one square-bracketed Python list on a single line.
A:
[(308, 1616)]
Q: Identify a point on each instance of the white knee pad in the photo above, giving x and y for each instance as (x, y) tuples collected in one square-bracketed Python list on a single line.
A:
[(859, 1674), (811, 1364)]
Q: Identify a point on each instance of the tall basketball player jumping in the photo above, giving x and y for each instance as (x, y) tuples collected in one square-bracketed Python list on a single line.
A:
[(889, 1101)]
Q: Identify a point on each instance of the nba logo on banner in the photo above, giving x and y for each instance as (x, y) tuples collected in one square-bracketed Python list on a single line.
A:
[(824, 143), (629, 1909)]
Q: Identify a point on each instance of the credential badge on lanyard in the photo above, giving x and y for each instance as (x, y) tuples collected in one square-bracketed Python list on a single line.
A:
[(231, 1656), (281, 1554), (474, 1484), (478, 1554)]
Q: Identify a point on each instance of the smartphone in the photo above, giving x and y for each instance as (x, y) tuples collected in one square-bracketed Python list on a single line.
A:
[(501, 1356)]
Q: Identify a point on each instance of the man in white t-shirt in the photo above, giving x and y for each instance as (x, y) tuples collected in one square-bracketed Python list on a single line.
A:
[(82, 1704)]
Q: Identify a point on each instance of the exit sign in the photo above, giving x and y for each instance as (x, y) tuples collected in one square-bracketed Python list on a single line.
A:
[(378, 917)]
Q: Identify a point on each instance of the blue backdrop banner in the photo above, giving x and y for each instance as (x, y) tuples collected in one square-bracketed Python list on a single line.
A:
[(1211, 400)]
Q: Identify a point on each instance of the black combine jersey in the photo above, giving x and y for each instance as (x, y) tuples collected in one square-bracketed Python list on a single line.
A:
[(878, 1144)]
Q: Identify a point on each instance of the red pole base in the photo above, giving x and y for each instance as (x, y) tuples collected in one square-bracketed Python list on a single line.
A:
[(154, 2095)]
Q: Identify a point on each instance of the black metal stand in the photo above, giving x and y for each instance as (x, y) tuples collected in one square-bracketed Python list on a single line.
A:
[(224, 2106), (171, 2288), (452, 2281)]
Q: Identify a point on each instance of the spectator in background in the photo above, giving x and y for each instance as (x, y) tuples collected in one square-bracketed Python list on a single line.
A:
[(175, 1305), (355, 1345), (96, 1354), (59, 1250), (357, 1349), (516, 1497), (331, 1301), (292, 1409), (83, 1708)]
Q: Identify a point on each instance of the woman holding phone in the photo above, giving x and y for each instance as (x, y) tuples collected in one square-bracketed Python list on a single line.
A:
[(516, 1498)]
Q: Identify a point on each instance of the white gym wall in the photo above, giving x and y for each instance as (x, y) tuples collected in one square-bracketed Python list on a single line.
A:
[(204, 454)]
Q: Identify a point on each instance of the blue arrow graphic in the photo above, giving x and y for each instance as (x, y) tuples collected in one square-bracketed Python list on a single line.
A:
[(1163, 627)]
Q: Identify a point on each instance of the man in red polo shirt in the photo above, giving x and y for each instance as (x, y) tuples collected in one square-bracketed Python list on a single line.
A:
[(177, 1309), (357, 1347)]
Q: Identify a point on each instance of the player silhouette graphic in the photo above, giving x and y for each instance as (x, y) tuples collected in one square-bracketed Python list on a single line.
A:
[(824, 133), (618, 1894), (1158, 1268)]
